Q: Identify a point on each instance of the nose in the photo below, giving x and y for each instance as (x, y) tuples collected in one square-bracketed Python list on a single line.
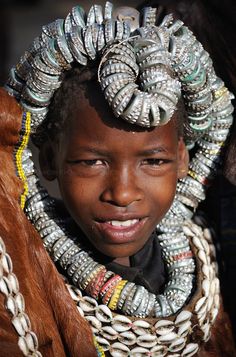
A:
[(122, 188)]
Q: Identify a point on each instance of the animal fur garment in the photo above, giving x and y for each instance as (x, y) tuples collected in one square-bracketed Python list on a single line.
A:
[(60, 329)]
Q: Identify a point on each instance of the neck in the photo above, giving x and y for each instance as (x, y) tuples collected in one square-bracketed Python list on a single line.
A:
[(123, 261)]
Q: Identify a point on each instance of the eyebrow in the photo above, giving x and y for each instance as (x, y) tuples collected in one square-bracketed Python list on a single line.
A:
[(154, 151), (148, 152)]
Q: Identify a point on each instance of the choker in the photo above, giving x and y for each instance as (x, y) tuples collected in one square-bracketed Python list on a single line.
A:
[(179, 335), (145, 53), (94, 278)]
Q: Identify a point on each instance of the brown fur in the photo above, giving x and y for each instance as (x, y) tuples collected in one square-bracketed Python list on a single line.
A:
[(60, 329), (221, 343), (55, 319)]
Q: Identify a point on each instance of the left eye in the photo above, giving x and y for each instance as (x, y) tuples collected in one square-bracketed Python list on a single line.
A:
[(154, 162), (94, 162)]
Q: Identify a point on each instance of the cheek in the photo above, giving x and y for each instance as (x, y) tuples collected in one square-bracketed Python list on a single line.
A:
[(162, 194), (78, 194)]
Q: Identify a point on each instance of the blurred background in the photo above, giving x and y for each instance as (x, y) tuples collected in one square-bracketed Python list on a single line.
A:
[(213, 22), (22, 20)]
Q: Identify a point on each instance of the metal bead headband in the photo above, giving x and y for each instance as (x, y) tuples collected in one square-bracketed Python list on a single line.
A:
[(142, 74)]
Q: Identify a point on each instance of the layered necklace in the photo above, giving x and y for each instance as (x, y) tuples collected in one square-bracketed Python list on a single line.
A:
[(154, 325)]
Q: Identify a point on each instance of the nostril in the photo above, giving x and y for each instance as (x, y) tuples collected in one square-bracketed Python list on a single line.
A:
[(121, 196)]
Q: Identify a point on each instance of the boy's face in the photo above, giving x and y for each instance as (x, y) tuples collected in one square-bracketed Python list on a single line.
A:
[(117, 180)]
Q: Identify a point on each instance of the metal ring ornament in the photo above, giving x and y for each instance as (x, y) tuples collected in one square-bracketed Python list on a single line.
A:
[(160, 63), (142, 74)]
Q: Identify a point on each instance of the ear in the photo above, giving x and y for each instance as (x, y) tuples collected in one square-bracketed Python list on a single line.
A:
[(47, 161), (183, 159)]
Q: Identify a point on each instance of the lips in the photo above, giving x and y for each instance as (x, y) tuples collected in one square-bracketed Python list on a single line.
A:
[(126, 223), (118, 231)]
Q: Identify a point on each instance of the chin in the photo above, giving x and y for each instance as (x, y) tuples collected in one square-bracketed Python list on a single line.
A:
[(119, 250)]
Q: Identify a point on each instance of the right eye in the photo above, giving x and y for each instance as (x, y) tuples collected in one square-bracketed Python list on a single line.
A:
[(92, 162)]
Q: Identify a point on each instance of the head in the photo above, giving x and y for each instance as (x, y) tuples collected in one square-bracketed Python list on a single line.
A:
[(116, 179)]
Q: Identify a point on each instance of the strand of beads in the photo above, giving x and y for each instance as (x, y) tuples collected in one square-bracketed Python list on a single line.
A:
[(93, 277), (126, 336), (15, 304)]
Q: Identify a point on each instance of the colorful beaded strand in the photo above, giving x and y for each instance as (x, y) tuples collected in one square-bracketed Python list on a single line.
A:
[(23, 141)]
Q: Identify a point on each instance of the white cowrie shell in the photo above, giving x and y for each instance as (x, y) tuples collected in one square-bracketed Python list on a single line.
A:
[(11, 305), (75, 296), (141, 323), (183, 316), (214, 314), (159, 351), (103, 343), (119, 350), (210, 302), (168, 338), (121, 323), (190, 350), (206, 271), (201, 319), (202, 256), (212, 287), (211, 272), (201, 314), (14, 282), (32, 341), (188, 231), (200, 303), (196, 229), (20, 302), (6, 263), (25, 321), (147, 341), (217, 301), (139, 352), (127, 337), (80, 311), (103, 313), (23, 346), (5, 286), (177, 345), (109, 333), (88, 304), (206, 246), (207, 234), (77, 291), (94, 322), (217, 285), (206, 287), (184, 328), (16, 322), (206, 330), (141, 327), (2, 247), (197, 243), (164, 327)]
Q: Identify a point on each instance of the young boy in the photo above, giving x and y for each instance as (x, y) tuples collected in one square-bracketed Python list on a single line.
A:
[(118, 177)]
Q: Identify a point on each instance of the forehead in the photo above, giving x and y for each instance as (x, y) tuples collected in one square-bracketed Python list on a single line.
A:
[(92, 121)]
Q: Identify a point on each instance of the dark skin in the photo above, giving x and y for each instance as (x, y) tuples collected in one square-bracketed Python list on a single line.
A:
[(117, 180)]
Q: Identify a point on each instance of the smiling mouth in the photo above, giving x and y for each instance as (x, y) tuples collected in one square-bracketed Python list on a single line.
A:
[(127, 223), (120, 231)]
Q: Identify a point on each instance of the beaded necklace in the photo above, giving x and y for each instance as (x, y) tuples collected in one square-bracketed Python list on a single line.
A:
[(127, 58)]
